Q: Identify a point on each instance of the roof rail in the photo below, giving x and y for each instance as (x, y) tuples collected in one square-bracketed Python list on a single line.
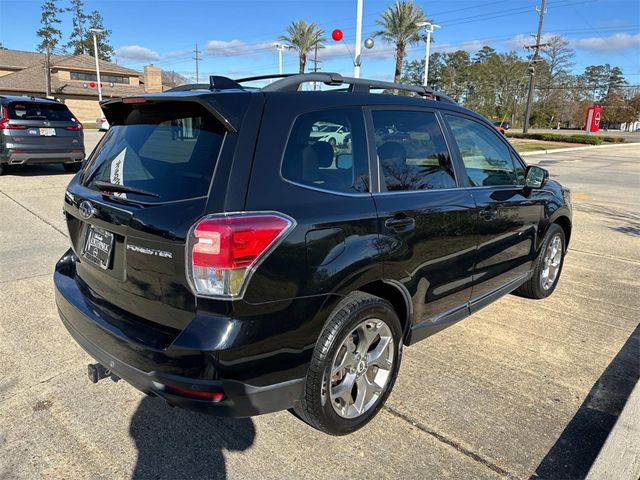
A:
[(216, 82), (293, 82), (264, 77)]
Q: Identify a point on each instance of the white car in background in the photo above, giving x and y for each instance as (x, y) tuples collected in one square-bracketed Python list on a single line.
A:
[(332, 134), (102, 124)]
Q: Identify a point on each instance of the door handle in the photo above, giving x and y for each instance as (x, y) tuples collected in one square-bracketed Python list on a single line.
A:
[(489, 214), (399, 223)]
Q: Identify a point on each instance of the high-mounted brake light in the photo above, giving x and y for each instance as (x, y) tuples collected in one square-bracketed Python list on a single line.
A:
[(223, 251), (134, 100)]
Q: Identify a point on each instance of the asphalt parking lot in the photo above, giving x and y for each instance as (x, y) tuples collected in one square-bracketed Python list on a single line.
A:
[(523, 388)]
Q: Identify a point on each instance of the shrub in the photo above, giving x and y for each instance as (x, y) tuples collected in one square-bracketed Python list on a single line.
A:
[(555, 137)]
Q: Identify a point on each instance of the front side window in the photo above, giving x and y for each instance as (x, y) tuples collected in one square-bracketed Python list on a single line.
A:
[(169, 149), (412, 152), (486, 158), (327, 150)]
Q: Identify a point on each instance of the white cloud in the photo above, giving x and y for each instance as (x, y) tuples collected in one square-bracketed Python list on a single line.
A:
[(235, 47), (613, 43), (520, 41), (469, 46), (137, 53), (343, 51)]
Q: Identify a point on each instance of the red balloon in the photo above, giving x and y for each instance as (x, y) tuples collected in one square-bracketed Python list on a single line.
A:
[(92, 84), (336, 34)]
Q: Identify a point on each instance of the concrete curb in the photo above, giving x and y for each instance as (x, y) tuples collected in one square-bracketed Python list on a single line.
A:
[(619, 457), (573, 149)]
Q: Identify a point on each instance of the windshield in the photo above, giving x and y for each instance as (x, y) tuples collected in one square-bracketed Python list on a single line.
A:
[(330, 128), (168, 149), (39, 111)]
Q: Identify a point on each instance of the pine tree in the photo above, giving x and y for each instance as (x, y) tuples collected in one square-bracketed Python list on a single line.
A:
[(105, 50), (79, 42), (49, 32)]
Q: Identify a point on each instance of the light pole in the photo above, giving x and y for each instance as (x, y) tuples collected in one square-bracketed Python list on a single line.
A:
[(428, 27), (95, 32), (280, 47), (356, 68)]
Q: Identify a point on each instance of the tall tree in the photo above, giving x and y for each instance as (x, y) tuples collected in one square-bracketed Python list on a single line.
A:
[(78, 42), (399, 22), (50, 36), (49, 32), (105, 50), (303, 37)]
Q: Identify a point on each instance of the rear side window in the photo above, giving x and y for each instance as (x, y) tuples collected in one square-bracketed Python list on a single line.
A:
[(169, 149), (39, 111), (486, 158), (412, 152), (327, 150)]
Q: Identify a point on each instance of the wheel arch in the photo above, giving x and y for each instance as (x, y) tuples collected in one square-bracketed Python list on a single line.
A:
[(565, 224), (398, 296)]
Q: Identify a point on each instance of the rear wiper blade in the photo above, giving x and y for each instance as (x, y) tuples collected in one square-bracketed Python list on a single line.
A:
[(112, 187)]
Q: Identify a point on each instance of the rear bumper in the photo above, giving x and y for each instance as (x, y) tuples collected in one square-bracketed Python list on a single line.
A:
[(12, 158), (87, 326)]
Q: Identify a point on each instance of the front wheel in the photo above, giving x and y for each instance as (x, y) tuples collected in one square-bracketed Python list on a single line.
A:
[(354, 365), (548, 266)]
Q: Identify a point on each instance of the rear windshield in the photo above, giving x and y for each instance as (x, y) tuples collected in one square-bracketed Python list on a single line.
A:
[(168, 149), (39, 111)]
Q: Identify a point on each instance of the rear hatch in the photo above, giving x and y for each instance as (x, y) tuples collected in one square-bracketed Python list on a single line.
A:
[(130, 210), (42, 126)]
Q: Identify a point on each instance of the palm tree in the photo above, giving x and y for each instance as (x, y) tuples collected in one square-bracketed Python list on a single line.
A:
[(399, 22), (303, 37)]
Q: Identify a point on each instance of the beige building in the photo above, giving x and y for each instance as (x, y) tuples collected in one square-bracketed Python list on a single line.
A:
[(73, 80)]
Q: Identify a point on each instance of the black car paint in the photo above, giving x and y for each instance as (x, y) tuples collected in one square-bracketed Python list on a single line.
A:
[(145, 317)]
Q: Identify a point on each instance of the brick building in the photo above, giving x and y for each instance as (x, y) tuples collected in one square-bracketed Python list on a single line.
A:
[(73, 80)]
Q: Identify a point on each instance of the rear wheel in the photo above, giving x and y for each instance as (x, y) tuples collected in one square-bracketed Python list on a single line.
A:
[(354, 365), (72, 167), (1, 169), (548, 266)]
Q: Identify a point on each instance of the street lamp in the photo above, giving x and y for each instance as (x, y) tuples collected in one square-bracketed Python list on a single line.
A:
[(428, 27), (280, 47), (95, 32)]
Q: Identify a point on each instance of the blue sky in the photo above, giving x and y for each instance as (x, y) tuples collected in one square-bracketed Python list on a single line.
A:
[(236, 37)]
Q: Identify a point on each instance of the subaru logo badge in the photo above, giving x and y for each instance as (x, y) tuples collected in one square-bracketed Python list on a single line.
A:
[(86, 209)]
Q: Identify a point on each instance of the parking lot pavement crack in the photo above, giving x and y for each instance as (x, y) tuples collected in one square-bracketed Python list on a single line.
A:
[(604, 255), (452, 443), (25, 278), (35, 214)]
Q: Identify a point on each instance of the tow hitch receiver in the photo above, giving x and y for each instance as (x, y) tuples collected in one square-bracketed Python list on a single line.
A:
[(97, 372)]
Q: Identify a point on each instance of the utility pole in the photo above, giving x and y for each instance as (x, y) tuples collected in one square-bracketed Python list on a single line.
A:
[(358, 50), (47, 71), (532, 68), (315, 65), (197, 58), (429, 28)]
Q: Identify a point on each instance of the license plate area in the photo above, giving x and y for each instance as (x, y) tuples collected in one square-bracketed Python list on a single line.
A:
[(47, 132), (98, 247)]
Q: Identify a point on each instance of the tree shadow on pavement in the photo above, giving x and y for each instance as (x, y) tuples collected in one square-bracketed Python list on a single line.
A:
[(577, 448), (175, 443)]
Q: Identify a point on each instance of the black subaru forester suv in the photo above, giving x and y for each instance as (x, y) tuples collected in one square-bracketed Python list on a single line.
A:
[(228, 258)]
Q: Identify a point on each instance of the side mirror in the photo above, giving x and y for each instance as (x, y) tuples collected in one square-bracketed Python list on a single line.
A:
[(536, 177), (344, 161)]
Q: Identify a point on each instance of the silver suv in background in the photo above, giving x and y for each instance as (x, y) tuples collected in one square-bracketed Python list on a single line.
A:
[(37, 130)]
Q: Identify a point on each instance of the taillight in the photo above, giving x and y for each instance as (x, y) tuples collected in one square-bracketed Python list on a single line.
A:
[(4, 121), (223, 251), (74, 128)]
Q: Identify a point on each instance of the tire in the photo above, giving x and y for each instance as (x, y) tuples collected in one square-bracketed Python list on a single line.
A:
[(1, 169), (332, 142), (340, 367), (539, 286), (72, 167)]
